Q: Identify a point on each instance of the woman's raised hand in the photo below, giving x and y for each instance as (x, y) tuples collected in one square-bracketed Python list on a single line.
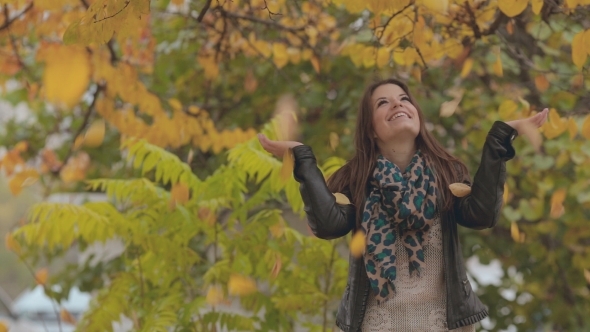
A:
[(534, 121), (278, 148)]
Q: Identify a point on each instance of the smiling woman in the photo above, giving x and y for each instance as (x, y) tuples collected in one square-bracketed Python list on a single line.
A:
[(411, 276)]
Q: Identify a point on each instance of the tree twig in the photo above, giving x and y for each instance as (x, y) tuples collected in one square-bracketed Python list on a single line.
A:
[(204, 11), (8, 22)]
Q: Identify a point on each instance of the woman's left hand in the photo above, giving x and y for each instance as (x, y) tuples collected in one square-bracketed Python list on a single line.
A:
[(535, 121)]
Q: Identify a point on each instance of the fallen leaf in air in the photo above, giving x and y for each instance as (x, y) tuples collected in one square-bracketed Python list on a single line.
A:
[(357, 244), (341, 199), (460, 189)]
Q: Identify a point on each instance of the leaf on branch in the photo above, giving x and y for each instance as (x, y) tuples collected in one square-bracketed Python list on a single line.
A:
[(460, 189), (466, 69), (241, 285), (497, 67), (95, 134), (214, 295), (22, 179), (512, 7), (41, 276), (537, 6), (12, 244), (437, 6)]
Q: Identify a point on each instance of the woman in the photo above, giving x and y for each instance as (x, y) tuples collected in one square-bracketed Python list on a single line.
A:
[(411, 276)]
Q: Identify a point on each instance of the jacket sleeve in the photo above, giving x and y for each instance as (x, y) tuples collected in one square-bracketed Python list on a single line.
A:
[(326, 218), (481, 208)]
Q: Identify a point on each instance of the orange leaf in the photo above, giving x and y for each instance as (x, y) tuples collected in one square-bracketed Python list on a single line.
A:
[(276, 268), (315, 62), (541, 83), (22, 179), (67, 317), (12, 244), (41, 276), (357, 243)]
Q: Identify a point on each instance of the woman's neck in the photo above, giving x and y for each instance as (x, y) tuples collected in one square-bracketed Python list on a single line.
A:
[(400, 154)]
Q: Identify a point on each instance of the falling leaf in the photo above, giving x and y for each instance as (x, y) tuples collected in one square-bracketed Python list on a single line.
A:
[(95, 134), (531, 132), (448, 108), (22, 179), (286, 118), (512, 7), (507, 109), (78, 142), (497, 67), (334, 140), (241, 285), (288, 165), (277, 230), (579, 53), (11, 243), (341, 199), (67, 317), (514, 232), (279, 55), (460, 189), (467, 65), (315, 62), (506, 194), (357, 243), (41, 276), (214, 295), (537, 6), (207, 215), (557, 208), (21, 146), (586, 127), (276, 268), (541, 83), (587, 276), (179, 193), (383, 57), (3, 326)]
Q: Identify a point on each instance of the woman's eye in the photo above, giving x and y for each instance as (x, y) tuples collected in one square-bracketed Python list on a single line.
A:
[(406, 98), (381, 102)]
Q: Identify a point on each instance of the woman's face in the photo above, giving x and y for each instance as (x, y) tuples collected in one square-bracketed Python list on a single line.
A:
[(394, 116)]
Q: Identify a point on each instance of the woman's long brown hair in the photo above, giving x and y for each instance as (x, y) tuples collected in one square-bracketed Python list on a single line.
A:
[(354, 175)]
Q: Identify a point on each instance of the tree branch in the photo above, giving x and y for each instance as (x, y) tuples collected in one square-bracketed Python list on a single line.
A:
[(204, 11), (261, 21), (8, 22)]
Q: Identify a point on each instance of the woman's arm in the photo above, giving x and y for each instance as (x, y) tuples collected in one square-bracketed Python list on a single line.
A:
[(326, 218), (481, 209)]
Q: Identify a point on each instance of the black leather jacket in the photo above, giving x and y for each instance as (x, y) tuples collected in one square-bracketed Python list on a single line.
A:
[(478, 210)]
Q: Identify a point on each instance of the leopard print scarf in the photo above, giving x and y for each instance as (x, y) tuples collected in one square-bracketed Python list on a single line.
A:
[(398, 205)]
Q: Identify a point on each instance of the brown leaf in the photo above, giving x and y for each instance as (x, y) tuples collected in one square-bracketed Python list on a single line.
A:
[(341, 199), (67, 317), (460, 189)]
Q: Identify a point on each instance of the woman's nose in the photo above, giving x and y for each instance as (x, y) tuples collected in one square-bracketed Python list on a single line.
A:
[(395, 102)]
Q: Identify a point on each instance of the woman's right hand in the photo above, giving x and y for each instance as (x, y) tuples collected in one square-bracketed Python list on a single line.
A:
[(277, 148)]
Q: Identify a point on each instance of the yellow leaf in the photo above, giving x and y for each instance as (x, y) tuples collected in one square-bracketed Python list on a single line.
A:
[(357, 243), (78, 142), (369, 54), (3, 327), (41, 276), (541, 83), (506, 109), (437, 6), (514, 232), (512, 7), (532, 133), (288, 165), (334, 140), (209, 66), (579, 53), (95, 134), (448, 108), (66, 75), (67, 317), (467, 65), (460, 189), (241, 285), (21, 146), (587, 276), (214, 295), (277, 230), (22, 179), (537, 6), (341, 199), (279, 54), (175, 104), (179, 193), (571, 4), (11, 244), (572, 128), (497, 67), (557, 208), (586, 127)]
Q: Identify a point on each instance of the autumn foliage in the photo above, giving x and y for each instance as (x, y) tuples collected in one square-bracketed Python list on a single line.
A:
[(157, 104)]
